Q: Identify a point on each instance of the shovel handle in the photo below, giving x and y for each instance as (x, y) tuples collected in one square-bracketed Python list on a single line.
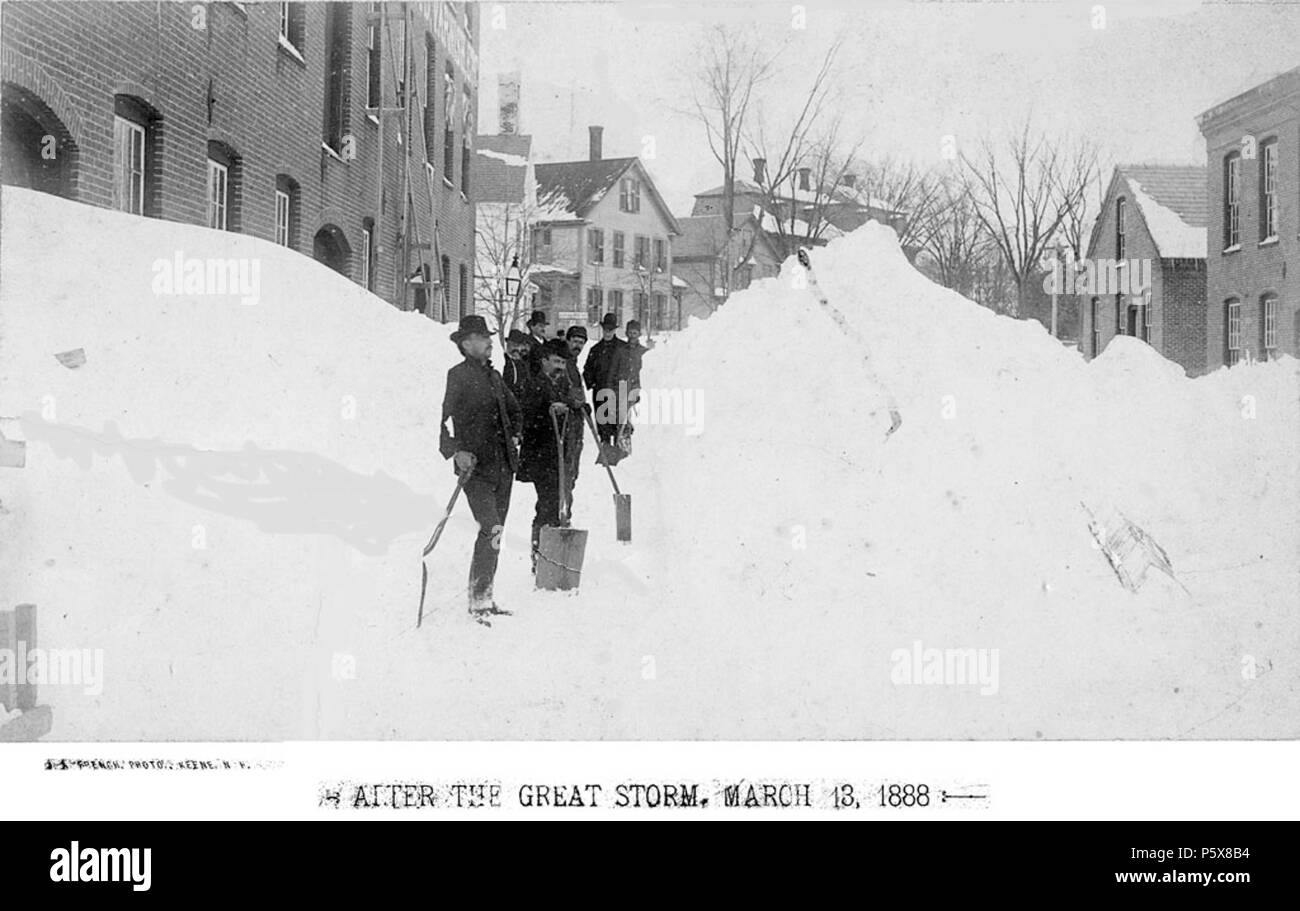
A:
[(559, 450), (608, 470)]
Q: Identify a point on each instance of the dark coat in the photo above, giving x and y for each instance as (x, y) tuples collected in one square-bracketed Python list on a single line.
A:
[(606, 364), (514, 372), (485, 416), (539, 453), (634, 355), (534, 355), (575, 381)]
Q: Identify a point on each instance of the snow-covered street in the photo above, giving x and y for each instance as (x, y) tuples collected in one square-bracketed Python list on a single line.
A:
[(230, 499)]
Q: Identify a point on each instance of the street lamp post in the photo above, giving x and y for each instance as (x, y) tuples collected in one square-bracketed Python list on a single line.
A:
[(512, 288)]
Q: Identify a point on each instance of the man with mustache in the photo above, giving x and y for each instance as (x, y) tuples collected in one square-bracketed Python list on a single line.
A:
[(547, 394), (486, 426)]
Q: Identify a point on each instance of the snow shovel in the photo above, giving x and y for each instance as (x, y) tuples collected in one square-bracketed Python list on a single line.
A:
[(622, 501), (437, 533), (560, 549), (610, 453)]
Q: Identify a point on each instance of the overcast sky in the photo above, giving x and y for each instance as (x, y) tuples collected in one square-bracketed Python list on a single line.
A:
[(909, 74)]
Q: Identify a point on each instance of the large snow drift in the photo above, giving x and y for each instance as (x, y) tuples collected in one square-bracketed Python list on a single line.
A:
[(229, 500)]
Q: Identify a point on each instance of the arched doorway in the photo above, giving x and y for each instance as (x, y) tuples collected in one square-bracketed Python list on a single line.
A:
[(38, 151), (330, 247)]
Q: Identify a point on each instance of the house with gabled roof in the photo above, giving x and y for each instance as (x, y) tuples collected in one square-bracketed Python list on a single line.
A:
[(602, 243), (1144, 275), (704, 252)]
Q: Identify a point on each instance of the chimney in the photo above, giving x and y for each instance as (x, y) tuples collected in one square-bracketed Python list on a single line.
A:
[(850, 180), (803, 178), (595, 142), (759, 165), (508, 103)]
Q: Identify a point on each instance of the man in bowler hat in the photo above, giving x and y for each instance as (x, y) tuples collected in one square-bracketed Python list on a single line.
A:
[(483, 443)]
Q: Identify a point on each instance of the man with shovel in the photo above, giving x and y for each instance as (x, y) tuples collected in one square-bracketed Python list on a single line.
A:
[(575, 338), (549, 400), (483, 444)]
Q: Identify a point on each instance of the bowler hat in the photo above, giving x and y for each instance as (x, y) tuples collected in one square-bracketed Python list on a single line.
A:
[(538, 318), (555, 347), (473, 324), (609, 321), (634, 324), (577, 332), (518, 338)]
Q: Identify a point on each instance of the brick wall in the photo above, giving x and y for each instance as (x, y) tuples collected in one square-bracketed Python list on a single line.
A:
[(268, 110), (1254, 270), (1180, 323), (1178, 316)]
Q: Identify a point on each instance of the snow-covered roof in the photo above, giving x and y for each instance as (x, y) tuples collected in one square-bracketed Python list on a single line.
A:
[(568, 190), (1171, 199), (501, 168), (678, 283), (772, 225), (826, 196), (517, 161), (540, 269)]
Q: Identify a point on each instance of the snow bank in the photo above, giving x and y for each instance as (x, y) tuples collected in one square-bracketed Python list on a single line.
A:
[(231, 500)]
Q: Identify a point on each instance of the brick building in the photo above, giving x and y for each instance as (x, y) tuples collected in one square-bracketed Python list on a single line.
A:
[(602, 243), (1146, 265), (800, 213), (262, 118), (1253, 183)]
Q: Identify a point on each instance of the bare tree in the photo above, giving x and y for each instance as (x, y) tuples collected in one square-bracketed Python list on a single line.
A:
[(829, 162), (918, 195), (810, 141), (502, 238), (731, 65), (952, 240), (1081, 215), (1023, 190), (994, 284)]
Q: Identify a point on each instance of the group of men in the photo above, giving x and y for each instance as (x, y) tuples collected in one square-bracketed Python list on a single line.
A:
[(519, 422)]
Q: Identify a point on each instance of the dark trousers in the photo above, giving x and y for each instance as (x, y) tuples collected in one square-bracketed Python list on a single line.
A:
[(548, 505), (605, 411), (489, 500), (572, 461)]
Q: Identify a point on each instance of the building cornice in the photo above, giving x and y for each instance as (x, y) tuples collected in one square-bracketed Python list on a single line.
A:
[(1278, 90)]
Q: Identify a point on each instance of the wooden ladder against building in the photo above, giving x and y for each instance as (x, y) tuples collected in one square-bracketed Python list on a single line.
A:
[(433, 248), (426, 253)]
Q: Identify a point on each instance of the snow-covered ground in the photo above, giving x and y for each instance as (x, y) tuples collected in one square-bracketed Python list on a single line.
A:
[(230, 499)]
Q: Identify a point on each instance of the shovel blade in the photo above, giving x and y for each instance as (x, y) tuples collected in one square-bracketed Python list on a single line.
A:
[(559, 557), (623, 516), (610, 454)]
